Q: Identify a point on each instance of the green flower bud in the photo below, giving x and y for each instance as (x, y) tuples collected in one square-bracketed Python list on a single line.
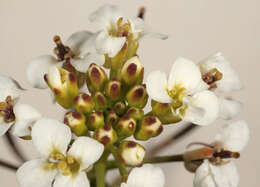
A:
[(113, 90), (84, 103), (96, 78), (137, 96), (77, 123), (148, 127), (131, 153), (111, 118), (105, 135), (132, 72), (95, 120), (126, 126), (63, 85), (120, 108), (135, 113), (100, 101), (164, 112)]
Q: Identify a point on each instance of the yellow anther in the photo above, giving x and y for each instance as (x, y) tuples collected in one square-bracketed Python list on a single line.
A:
[(51, 165), (57, 156), (62, 165), (70, 160), (66, 172)]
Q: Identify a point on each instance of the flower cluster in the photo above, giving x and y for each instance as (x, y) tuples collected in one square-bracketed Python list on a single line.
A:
[(98, 78)]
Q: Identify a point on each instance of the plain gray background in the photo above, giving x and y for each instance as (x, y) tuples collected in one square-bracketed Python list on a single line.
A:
[(197, 28)]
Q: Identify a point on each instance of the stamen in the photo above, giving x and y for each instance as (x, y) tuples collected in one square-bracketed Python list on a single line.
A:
[(6, 109), (141, 13), (61, 50), (212, 77)]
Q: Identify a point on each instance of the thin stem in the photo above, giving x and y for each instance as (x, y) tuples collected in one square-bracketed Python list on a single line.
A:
[(8, 165), (14, 147), (174, 138), (111, 164), (121, 166), (100, 170)]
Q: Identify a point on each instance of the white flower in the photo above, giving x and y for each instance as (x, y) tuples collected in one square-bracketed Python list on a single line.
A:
[(231, 138), (115, 28), (186, 92), (66, 167), (229, 108), (146, 176), (12, 114), (229, 80), (82, 47)]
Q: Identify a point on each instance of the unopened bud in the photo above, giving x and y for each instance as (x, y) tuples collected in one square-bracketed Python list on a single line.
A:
[(100, 101), (126, 126), (105, 135), (137, 96), (84, 103), (120, 108), (96, 78), (111, 118), (95, 120), (135, 113), (77, 123), (113, 90), (63, 84), (132, 71), (148, 127), (164, 112), (131, 153)]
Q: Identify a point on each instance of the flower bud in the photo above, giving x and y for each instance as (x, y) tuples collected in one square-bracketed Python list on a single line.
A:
[(77, 123), (96, 78), (164, 112), (137, 96), (131, 153), (111, 118), (84, 103), (113, 90), (100, 101), (120, 108), (148, 127), (105, 135), (132, 72), (95, 120), (126, 126), (135, 113), (63, 84)]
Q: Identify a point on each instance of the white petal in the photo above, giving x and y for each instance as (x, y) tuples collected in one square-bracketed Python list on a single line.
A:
[(25, 116), (229, 108), (83, 64), (54, 77), (208, 102), (38, 68), (87, 150), (146, 176), (80, 180), (105, 15), (208, 175), (156, 86), (234, 136), (4, 126), (140, 29), (9, 87), (77, 40), (106, 44), (186, 74), (124, 185), (230, 80), (50, 135), (32, 174)]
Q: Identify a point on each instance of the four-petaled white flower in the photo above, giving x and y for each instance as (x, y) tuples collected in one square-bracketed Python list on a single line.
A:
[(64, 164), (115, 29), (146, 176), (186, 92), (220, 76), (18, 117), (232, 137)]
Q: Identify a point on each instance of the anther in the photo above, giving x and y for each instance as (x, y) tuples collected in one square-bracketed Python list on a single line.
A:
[(141, 13)]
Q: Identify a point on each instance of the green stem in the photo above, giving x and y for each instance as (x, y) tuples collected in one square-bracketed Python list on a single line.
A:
[(100, 169), (112, 164), (118, 162)]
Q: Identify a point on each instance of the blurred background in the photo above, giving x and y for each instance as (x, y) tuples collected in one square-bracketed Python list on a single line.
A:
[(196, 29)]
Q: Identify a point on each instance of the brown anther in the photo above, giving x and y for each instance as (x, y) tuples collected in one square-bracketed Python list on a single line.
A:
[(212, 77), (61, 50), (141, 13)]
